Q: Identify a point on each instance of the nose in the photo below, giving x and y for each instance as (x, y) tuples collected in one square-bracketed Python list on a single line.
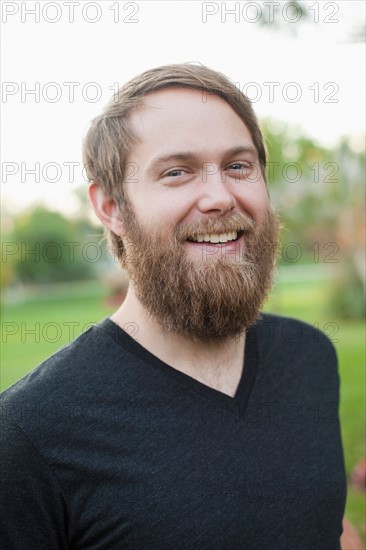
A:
[(215, 195)]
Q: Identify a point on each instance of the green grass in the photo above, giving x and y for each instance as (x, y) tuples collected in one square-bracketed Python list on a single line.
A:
[(45, 322), (308, 301)]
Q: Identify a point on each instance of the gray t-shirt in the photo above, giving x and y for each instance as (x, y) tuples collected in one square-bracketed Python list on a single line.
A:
[(104, 446)]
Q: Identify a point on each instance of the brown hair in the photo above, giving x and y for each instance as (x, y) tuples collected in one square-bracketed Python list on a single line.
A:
[(109, 138)]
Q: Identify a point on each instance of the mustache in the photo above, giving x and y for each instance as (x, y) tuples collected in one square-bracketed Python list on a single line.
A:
[(236, 222)]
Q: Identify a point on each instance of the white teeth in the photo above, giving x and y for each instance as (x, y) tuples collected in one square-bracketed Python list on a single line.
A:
[(215, 237)]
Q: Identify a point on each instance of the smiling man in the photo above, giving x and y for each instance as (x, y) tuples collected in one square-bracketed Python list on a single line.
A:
[(218, 427), (199, 231)]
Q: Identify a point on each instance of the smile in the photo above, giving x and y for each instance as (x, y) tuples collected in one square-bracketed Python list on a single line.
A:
[(216, 238)]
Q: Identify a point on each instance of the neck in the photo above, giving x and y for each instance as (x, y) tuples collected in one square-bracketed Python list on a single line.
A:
[(217, 364)]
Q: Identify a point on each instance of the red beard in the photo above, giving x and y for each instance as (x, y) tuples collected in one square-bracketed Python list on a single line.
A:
[(210, 299)]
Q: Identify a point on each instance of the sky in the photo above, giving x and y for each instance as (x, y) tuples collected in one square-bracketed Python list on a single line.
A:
[(63, 60)]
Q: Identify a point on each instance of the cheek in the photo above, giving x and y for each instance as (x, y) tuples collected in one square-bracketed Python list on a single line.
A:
[(165, 209), (156, 218), (263, 199), (255, 201)]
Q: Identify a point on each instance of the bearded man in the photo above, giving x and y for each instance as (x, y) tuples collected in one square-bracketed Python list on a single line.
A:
[(217, 428)]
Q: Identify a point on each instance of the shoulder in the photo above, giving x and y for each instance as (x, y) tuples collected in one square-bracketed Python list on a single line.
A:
[(293, 342), (69, 376), (298, 355), (284, 331), (71, 357)]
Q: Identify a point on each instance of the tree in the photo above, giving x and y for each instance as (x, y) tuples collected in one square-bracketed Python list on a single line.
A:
[(320, 196), (48, 248)]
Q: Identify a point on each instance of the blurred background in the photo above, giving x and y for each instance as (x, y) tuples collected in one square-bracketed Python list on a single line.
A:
[(302, 65)]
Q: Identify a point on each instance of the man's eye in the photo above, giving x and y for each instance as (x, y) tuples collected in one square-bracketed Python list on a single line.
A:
[(239, 170), (174, 173), (239, 166)]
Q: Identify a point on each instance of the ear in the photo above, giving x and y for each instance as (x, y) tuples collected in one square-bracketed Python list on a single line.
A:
[(105, 208)]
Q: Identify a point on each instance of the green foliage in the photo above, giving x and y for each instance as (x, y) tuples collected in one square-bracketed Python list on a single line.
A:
[(45, 247), (297, 11), (319, 194), (348, 296)]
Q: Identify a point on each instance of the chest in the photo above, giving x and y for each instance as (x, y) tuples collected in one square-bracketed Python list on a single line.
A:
[(211, 479)]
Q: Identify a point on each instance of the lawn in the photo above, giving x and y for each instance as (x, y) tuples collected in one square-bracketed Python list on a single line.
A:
[(35, 328)]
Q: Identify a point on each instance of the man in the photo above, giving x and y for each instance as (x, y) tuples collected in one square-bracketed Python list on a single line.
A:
[(213, 427)]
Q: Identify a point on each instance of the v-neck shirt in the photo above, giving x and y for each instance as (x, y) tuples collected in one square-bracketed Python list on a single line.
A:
[(245, 384), (106, 446)]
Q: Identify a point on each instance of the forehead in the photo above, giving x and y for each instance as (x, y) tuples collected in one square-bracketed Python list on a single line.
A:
[(179, 115)]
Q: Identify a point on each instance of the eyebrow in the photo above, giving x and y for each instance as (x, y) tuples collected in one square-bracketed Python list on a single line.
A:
[(177, 156)]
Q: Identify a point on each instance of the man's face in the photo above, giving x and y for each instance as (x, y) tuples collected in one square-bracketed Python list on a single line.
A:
[(198, 230)]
